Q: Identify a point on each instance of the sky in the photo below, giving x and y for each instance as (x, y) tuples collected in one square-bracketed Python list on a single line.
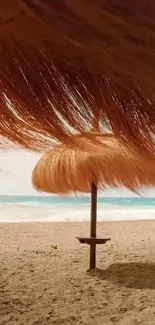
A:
[(15, 176)]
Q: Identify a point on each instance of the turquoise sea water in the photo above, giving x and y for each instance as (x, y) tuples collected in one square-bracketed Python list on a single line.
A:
[(49, 208), (64, 201)]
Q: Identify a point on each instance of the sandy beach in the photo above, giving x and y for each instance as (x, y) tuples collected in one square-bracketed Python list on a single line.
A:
[(44, 278)]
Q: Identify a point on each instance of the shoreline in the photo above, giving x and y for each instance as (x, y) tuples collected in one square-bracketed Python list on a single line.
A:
[(77, 222), (37, 214)]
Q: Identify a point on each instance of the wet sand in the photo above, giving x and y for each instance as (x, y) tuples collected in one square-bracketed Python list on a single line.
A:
[(44, 278)]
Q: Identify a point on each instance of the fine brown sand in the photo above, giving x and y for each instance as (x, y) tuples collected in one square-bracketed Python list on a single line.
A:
[(41, 284)]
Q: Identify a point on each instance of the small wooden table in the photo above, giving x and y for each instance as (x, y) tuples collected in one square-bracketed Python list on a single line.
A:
[(93, 240)]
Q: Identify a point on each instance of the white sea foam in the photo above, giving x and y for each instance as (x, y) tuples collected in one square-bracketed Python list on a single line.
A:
[(106, 212)]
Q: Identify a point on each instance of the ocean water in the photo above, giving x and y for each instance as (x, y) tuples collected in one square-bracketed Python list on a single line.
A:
[(67, 209)]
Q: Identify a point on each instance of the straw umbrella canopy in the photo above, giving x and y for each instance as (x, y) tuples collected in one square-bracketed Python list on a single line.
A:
[(66, 58), (85, 166)]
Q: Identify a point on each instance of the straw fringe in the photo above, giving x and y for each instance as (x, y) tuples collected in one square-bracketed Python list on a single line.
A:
[(70, 59), (107, 164)]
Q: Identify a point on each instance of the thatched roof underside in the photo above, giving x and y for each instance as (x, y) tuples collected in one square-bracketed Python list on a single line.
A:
[(76, 58), (73, 168)]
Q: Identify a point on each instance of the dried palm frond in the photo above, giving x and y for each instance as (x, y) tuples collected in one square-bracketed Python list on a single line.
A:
[(66, 60), (75, 167)]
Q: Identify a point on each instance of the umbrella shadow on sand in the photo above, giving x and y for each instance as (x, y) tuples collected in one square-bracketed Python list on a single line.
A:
[(132, 275)]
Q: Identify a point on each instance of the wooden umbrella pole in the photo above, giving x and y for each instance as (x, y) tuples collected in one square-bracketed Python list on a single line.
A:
[(93, 225)]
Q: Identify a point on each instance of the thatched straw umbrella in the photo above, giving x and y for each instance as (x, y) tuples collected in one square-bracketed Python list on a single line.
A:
[(84, 168), (66, 58)]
